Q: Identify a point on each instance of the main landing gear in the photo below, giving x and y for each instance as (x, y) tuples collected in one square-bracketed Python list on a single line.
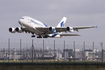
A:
[(45, 36), (39, 36), (33, 35)]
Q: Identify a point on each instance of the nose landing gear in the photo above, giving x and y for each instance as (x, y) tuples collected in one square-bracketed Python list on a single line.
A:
[(45, 36), (33, 35)]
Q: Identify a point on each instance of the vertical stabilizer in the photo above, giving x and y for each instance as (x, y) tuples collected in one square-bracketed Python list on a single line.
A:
[(62, 22)]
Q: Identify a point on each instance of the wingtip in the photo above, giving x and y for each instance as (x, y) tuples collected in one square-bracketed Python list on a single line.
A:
[(94, 26), (78, 35)]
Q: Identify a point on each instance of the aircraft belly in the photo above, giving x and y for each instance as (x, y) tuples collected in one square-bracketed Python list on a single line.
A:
[(38, 32), (32, 28)]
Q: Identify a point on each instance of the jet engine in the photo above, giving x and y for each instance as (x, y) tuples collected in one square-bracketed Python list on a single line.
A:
[(18, 29), (12, 30), (52, 29), (70, 29)]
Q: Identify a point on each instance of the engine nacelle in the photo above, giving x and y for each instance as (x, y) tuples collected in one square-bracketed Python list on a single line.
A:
[(52, 29), (12, 30), (18, 29), (70, 29)]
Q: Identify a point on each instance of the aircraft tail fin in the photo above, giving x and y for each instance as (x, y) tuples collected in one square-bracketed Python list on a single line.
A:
[(62, 22)]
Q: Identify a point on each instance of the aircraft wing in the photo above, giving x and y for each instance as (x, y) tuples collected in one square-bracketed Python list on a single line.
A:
[(47, 31), (76, 28), (60, 29), (69, 35), (26, 30)]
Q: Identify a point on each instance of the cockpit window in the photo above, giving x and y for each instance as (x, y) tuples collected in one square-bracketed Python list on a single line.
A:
[(22, 18)]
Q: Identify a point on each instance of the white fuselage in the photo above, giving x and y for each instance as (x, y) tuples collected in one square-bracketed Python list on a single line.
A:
[(31, 24)]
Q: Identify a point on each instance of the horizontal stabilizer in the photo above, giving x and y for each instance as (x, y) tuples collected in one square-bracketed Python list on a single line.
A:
[(69, 35)]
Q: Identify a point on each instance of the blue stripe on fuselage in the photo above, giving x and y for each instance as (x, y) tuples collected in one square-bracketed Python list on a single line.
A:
[(36, 22), (46, 25)]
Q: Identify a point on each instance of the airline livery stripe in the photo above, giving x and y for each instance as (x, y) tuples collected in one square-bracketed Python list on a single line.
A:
[(36, 23)]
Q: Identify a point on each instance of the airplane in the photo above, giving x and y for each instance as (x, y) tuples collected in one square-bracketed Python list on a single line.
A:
[(35, 27)]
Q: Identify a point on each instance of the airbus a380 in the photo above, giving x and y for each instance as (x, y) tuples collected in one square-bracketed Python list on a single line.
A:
[(30, 25)]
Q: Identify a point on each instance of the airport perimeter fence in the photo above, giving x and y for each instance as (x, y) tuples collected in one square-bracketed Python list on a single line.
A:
[(51, 51)]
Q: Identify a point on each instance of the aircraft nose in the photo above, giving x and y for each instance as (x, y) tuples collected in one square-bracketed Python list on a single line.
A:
[(20, 21)]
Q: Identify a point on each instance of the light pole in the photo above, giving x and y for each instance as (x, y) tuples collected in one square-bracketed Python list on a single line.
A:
[(102, 52), (32, 50), (93, 51)]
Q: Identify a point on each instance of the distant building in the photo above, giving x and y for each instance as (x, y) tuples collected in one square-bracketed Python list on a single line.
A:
[(87, 54), (67, 53), (99, 54)]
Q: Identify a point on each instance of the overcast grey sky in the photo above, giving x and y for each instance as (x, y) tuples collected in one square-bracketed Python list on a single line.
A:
[(50, 12)]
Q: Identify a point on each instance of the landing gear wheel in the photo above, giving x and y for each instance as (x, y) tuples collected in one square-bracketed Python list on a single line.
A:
[(39, 37), (33, 36), (45, 36)]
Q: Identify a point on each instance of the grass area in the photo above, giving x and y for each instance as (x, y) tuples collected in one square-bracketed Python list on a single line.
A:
[(49, 65), (27, 61), (44, 61), (33, 68)]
